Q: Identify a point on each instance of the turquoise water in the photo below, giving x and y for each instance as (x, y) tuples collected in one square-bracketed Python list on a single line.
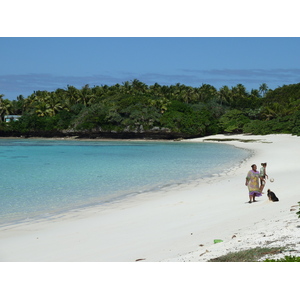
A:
[(39, 178)]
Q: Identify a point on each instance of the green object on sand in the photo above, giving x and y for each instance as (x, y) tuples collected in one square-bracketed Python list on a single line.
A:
[(218, 241)]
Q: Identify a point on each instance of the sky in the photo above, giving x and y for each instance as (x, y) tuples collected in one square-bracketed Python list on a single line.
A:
[(53, 46), (29, 64)]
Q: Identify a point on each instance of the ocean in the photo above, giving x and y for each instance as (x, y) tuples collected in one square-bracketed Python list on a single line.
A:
[(41, 178)]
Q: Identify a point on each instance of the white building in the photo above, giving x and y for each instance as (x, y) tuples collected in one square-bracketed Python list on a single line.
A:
[(9, 118)]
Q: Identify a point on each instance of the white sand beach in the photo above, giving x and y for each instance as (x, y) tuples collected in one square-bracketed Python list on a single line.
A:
[(178, 224)]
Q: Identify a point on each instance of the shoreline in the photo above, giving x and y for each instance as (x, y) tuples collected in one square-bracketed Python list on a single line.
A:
[(174, 225)]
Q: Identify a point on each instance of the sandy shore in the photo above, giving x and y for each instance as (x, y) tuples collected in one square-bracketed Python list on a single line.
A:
[(177, 225)]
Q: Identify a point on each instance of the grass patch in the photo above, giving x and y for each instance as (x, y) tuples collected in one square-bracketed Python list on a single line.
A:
[(250, 255), (285, 259)]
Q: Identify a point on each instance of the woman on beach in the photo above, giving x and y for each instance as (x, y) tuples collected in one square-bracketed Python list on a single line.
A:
[(263, 175), (252, 181)]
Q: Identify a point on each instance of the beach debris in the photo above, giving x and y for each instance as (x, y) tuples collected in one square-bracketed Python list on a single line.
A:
[(201, 245), (234, 236), (218, 241), (271, 179), (139, 259), (294, 207), (203, 253)]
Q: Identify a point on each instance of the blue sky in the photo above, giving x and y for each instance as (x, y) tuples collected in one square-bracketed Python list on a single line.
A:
[(47, 63), (52, 44)]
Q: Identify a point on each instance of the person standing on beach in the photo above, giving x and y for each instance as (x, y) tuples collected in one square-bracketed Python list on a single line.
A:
[(252, 181), (263, 176)]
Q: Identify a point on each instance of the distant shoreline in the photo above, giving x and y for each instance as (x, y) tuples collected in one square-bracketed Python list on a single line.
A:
[(148, 135)]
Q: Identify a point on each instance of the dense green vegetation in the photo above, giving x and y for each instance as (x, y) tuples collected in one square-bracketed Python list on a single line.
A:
[(287, 258), (164, 111)]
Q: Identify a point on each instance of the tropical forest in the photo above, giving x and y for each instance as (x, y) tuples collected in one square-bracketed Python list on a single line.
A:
[(135, 110)]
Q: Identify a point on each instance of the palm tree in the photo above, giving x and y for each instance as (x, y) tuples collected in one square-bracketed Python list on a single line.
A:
[(28, 104), (16, 107), (239, 96), (55, 105), (225, 95), (21, 103), (263, 88), (167, 91), (72, 96), (139, 87), (161, 104), (206, 92), (43, 109), (155, 89), (174, 91), (5, 107), (127, 87), (255, 93), (240, 90), (114, 89), (86, 95), (188, 94)]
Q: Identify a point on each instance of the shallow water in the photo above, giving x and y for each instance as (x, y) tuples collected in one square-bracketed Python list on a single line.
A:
[(40, 178)]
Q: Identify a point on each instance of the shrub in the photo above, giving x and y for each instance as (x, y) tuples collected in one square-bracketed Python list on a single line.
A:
[(233, 121), (285, 259)]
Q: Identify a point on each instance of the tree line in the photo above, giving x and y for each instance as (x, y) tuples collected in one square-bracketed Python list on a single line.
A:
[(156, 110)]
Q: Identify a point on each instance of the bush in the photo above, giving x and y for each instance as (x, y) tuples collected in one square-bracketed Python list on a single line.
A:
[(192, 123), (233, 121), (285, 259), (278, 125), (295, 122)]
